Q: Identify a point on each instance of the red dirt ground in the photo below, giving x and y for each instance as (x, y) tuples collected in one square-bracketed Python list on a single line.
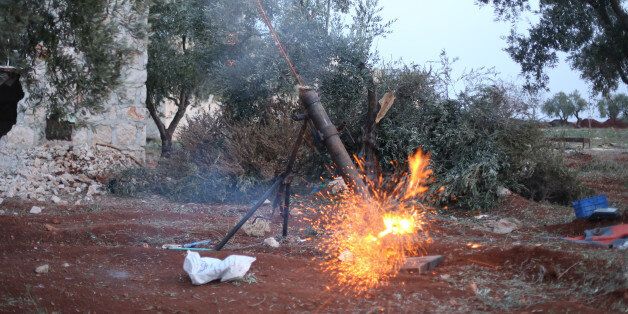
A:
[(116, 264)]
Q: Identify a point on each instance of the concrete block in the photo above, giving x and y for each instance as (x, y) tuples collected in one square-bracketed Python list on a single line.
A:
[(422, 264)]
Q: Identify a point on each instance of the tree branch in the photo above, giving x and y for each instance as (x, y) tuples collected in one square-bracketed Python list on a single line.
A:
[(606, 21), (153, 113), (174, 100), (623, 75), (184, 102), (623, 16)]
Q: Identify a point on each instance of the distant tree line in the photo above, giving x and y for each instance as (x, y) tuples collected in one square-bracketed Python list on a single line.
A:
[(563, 106)]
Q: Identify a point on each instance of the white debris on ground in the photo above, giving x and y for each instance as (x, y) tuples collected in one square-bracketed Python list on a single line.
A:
[(504, 225), (35, 210), (205, 269), (58, 170), (271, 242), (43, 269)]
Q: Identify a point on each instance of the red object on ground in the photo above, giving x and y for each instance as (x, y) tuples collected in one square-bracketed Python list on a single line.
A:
[(604, 236)]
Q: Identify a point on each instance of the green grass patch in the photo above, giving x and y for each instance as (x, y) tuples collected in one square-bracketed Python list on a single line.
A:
[(605, 169), (599, 137)]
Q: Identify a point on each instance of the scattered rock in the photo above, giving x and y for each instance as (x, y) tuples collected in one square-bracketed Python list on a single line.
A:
[(504, 226), (51, 228), (257, 228), (55, 199), (267, 201), (2, 211), (66, 264), (503, 192), (93, 190), (36, 210), (422, 264), (43, 269), (1, 200), (58, 168), (271, 242), (337, 185)]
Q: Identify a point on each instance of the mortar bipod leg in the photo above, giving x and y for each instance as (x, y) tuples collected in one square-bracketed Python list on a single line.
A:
[(269, 192), (285, 213)]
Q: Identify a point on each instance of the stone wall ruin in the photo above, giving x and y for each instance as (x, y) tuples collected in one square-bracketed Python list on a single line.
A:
[(111, 138)]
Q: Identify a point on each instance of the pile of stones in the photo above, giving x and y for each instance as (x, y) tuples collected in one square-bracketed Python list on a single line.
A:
[(61, 172)]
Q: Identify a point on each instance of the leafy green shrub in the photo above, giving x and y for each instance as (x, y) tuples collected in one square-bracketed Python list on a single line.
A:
[(477, 141), (477, 146), (543, 176)]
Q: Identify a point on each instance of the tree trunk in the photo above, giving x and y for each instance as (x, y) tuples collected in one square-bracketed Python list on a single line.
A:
[(166, 144), (165, 133), (369, 146)]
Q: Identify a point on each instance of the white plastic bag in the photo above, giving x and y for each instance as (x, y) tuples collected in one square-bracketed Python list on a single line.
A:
[(205, 269)]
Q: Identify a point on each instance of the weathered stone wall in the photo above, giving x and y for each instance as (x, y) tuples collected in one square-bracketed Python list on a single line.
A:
[(121, 123), (114, 138)]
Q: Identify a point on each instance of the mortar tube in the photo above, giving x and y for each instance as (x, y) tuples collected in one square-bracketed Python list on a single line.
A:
[(317, 114)]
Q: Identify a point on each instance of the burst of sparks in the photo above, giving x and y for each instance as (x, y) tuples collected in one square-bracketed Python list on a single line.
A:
[(366, 240)]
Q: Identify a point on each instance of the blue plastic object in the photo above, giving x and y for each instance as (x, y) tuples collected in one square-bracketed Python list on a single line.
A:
[(585, 207), (195, 244)]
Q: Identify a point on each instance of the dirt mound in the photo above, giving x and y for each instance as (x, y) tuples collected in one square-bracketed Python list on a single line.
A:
[(560, 123), (610, 123), (540, 264), (590, 123)]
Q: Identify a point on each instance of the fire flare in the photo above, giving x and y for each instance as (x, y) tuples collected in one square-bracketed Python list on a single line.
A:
[(367, 239)]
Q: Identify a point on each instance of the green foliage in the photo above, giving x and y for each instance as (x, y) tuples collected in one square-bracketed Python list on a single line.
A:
[(188, 43), (76, 40), (188, 39), (542, 176), (563, 106), (579, 103), (614, 106), (328, 52), (476, 144), (593, 33)]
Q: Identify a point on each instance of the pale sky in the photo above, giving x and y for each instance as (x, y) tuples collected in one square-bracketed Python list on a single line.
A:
[(465, 31)]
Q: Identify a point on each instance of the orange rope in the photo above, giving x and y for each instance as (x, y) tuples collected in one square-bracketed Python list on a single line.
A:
[(282, 50)]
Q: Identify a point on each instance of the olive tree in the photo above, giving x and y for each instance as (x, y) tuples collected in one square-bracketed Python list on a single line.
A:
[(593, 34), (614, 106), (559, 106), (188, 40)]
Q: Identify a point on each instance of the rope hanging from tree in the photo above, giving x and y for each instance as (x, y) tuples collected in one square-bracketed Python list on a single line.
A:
[(281, 48)]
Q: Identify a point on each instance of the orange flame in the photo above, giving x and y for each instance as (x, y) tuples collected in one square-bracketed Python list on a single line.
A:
[(417, 164), (368, 239)]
